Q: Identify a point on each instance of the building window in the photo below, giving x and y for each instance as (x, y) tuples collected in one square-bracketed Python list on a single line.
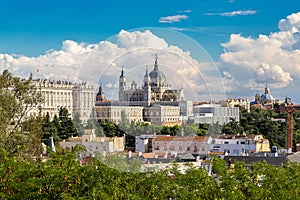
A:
[(235, 151), (195, 149)]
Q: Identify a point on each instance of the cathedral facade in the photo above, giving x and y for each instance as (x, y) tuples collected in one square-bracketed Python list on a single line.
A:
[(153, 102), (154, 89)]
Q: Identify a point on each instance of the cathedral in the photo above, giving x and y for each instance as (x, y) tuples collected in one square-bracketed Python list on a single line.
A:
[(266, 98), (155, 89)]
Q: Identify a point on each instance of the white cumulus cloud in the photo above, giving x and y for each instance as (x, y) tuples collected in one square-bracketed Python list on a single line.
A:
[(137, 40), (185, 11), (234, 13), (102, 63), (172, 19), (274, 74), (292, 21), (239, 12), (279, 52)]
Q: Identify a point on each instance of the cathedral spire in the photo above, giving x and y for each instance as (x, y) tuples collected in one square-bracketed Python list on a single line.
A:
[(30, 76), (146, 74), (156, 64), (100, 89), (267, 91), (122, 72)]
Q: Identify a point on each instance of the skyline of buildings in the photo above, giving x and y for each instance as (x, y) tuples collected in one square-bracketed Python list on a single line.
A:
[(154, 102), (249, 43)]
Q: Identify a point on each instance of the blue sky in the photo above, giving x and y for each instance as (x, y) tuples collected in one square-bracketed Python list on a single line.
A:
[(33, 28)]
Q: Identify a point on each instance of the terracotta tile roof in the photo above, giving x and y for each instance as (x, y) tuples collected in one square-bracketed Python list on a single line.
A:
[(179, 138), (217, 153), (148, 155), (236, 136), (172, 123), (163, 138)]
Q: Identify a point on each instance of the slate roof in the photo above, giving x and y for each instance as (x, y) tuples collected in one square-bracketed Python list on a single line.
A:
[(186, 157), (294, 157), (249, 160)]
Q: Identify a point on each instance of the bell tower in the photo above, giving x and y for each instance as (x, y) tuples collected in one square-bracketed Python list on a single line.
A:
[(147, 88), (122, 85)]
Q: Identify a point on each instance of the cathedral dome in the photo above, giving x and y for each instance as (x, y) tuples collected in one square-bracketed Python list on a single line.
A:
[(100, 95), (267, 97), (156, 73), (158, 78)]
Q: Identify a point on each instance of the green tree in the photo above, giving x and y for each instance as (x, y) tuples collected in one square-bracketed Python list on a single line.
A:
[(124, 123), (170, 130), (17, 98), (111, 129), (215, 129), (202, 129), (63, 177), (67, 127), (49, 129), (93, 124), (232, 127), (78, 125)]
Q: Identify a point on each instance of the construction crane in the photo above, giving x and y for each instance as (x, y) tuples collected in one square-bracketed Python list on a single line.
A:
[(289, 107)]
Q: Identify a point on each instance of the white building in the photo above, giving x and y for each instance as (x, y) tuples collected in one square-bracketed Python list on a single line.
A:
[(186, 109), (92, 148), (231, 103), (83, 101), (143, 143), (181, 145), (163, 115), (113, 111), (154, 102), (78, 99), (55, 94), (94, 145), (214, 113), (237, 145), (154, 89)]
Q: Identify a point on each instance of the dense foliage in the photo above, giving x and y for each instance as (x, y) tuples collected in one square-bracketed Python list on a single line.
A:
[(61, 176), (270, 124), (20, 133), (61, 127)]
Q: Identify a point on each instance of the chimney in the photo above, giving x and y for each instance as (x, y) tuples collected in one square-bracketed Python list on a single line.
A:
[(298, 147), (52, 146), (166, 155)]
